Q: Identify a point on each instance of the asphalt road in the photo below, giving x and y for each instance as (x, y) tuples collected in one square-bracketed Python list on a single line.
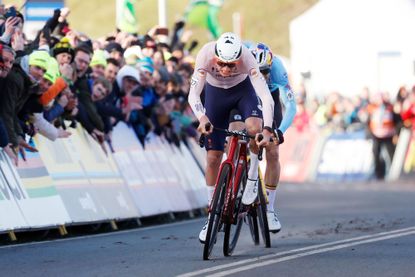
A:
[(328, 230)]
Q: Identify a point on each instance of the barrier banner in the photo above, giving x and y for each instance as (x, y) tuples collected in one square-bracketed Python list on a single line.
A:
[(11, 216), (89, 187), (191, 177), (39, 200), (346, 157), (108, 182), (198, 153), (148, 195), (409, 165), (166, 176), (296, 154), (196, 177)]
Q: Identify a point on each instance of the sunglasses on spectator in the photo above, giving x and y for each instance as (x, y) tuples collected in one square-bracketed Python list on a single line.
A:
[(222, 64)]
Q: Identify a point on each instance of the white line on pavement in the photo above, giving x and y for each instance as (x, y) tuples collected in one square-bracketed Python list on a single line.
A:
[(304, 249), (317, 251)]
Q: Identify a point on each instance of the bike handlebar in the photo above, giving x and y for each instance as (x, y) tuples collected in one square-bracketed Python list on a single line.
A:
[(240, 134)]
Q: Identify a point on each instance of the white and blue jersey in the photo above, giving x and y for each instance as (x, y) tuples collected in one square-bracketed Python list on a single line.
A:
[(280, 88)]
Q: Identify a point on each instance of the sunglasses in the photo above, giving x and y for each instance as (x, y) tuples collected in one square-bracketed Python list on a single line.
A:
[(265, 71), (222, 64)]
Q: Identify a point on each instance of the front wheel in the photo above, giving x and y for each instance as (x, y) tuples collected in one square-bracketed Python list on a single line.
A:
[(262, 215), (215, 213), (233, 229)]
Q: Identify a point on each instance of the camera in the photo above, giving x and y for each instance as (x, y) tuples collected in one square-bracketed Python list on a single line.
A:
[(162, 31), (11, 12)]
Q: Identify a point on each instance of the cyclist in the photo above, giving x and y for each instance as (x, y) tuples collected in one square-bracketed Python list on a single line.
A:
[(230, 76), (276, 76)]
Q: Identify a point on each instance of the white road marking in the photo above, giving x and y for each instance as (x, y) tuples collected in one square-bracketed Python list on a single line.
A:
[(317, 251), (306, 251)]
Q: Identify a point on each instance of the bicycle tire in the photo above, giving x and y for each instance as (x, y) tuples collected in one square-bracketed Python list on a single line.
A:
[(215, 216), (262, 216), (252, 219), (233, 230)]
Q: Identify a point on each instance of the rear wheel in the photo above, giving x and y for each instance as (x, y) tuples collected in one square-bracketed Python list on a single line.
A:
[(252, 219), (262, 215), (216, 212), (233, 230)]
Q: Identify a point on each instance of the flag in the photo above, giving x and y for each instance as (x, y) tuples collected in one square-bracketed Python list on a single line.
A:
[(204, 14), (126, 17)]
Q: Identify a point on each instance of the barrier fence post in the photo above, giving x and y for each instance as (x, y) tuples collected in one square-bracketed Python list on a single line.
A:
[(171, 215), (12, 236), (62, 230), (114, 225), (191, 214)]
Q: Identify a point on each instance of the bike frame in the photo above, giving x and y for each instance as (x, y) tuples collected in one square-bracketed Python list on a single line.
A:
[(237, 161)]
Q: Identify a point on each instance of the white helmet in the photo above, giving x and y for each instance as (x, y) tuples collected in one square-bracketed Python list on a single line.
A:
[(263, 56), (228, 47)]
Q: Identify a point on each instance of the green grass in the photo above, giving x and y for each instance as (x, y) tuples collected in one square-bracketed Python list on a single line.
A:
[(263, 20)]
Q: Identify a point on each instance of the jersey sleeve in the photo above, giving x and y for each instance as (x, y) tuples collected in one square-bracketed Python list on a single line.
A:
[(279, 78), (197, 83)]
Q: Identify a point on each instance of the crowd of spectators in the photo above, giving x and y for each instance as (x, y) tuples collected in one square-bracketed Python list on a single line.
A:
[(63, 78), (379, 114)]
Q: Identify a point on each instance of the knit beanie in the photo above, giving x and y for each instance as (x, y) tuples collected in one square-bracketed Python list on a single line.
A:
[(39, 58), (53, 71), (63, 46), (98, 58)]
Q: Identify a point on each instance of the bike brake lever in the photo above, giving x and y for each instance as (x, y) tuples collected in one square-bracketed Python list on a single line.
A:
[(202, 136), (261, 149)]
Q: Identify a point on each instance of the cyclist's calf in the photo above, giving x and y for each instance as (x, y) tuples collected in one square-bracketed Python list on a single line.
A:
[(213, 161), (273, 154)]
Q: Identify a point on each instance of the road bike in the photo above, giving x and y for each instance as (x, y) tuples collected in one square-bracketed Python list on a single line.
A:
[(226, 211)]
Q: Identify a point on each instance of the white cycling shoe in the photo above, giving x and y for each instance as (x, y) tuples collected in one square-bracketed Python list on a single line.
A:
[(203, 232), (274, 224), (250, 192)]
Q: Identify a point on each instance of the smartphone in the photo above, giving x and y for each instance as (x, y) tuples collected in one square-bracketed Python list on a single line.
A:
[(162, 31)]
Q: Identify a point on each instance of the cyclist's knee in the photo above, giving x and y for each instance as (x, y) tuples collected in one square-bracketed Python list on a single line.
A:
[(253, 127)]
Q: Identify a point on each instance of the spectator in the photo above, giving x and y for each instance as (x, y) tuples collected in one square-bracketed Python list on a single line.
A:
[(87, 113), (111, 70), (115, 51), (382, 122), (63, 52), (98, 64), (408, 110)]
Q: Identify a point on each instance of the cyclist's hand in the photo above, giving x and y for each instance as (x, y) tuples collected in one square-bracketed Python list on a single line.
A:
[(202, 125), (266, 136)]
